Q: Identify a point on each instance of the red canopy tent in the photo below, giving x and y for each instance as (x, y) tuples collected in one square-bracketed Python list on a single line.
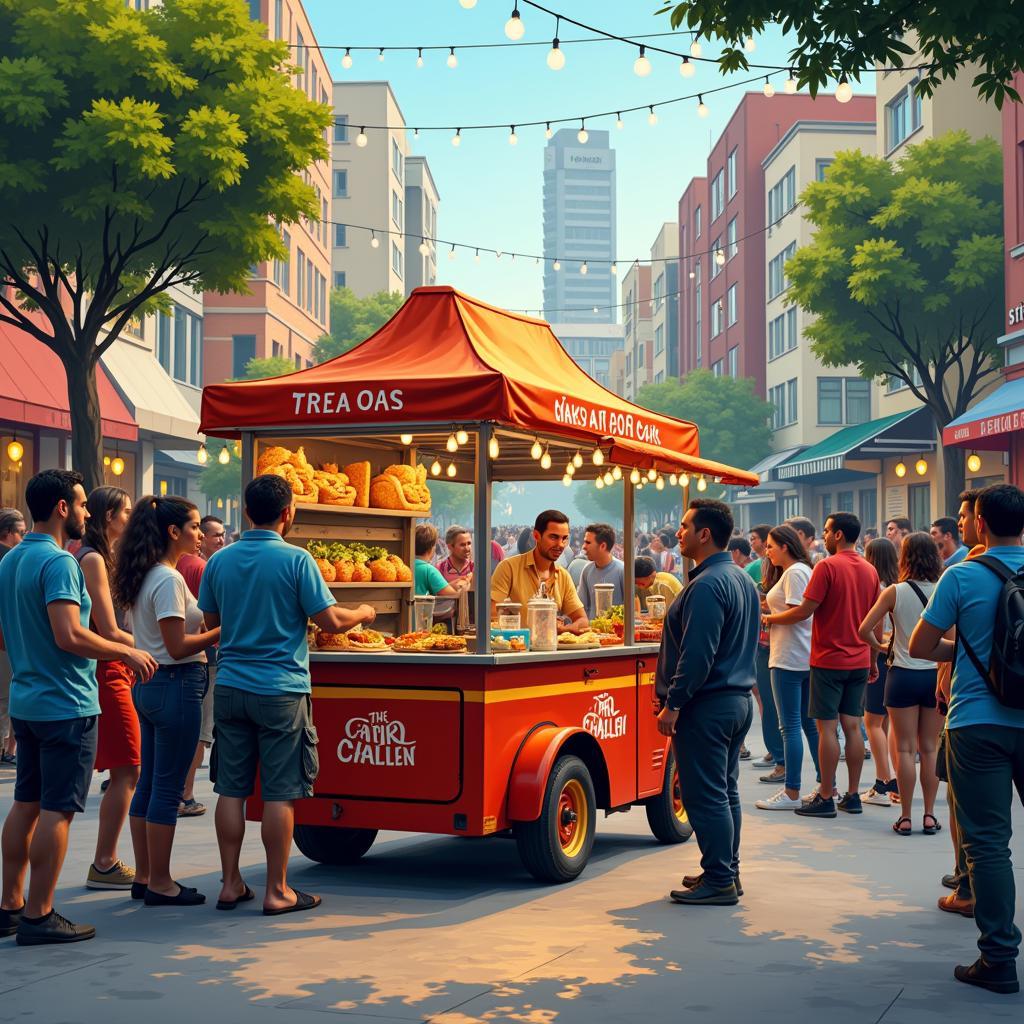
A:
[(447, 358)]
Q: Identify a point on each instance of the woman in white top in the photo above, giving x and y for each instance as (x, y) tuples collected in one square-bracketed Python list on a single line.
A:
[(910, 683), (789, 659), (166, 622)]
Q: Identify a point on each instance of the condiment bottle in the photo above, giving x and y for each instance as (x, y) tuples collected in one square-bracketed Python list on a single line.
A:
[(542, 620)]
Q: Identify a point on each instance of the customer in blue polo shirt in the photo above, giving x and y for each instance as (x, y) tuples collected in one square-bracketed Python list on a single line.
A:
[(44, 612), (984, 738), (262, 592)]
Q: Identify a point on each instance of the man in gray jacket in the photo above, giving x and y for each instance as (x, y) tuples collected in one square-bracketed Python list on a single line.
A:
[(704, 678)]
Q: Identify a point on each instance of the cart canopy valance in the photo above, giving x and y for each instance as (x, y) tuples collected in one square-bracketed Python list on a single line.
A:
[(447, 358)]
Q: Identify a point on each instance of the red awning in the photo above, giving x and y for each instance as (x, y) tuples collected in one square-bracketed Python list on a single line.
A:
[(446, 357), (34, 390)]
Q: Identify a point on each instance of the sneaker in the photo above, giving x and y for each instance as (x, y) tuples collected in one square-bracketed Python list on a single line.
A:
[(953, 904), (8, 759), (1001, 978), (764, 761), (692, 881), (9, 921), (878, 794), (704, 895), (778, 802), (51, 930), (851, 804), (118, 876), (867, 752), (744, 754), (191, 809), (817, 807), (778, 774)]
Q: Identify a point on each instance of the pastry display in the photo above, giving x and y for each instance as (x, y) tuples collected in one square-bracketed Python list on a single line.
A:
[(357, 563), (359, 474), (572, 642), (293, 467), (333, 488), (322, 556), (403, 488), (430, 643)]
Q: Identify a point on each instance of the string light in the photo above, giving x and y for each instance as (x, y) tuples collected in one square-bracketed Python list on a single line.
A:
[(652, 117), (619, 123), (582, 135), (567, 480), (514, 27), (548, 132), (686, 69), (720, 257), (15, 450), (702, 107), (673, 480), (660, 483), (476, 257), (461, 436), (556, 58), (451, 470), (424, 249), (900, 469), (451, 444), (346, 61), (361, 139), (634, 476), (652, 474), (614, 268), (374, 241), (380, 56), (616, 473), (545, 460), (598, 457), (599, 483), (844, 91), (117, 465), (583, 267), (435, 468), (451, 253), (457, 137), (570, 469), (202, 456), (512, 137), (406, 439), (419, 58), (556, 265), (921, 467), (536, 451), (696, 50), (468, 4), (769, 89), (225, 456), (608, 478), (790, 85), (684, 479), (493, 448), (749, 45), (974, 462), (702, 484), (642, 66), (577, 460)]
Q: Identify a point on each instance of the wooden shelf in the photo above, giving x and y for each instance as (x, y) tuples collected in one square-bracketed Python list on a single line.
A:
[(346, 510), (371, 586)]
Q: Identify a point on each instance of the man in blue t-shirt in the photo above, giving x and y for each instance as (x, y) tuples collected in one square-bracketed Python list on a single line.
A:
[(984, 738), (262, 592), (44, 614)]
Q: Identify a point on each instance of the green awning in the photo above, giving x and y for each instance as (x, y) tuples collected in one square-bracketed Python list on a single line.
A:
[(902, 433)]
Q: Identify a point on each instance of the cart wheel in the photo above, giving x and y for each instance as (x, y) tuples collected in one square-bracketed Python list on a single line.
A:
[(665, 812), (556, 847), (328, 845)]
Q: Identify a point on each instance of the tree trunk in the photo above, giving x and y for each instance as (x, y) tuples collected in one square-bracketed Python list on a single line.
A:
[(86, 423), (953, 462)]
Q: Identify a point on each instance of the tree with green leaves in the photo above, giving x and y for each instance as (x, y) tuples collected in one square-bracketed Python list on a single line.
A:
[(141, 150), (905, 273), (353, 320), (271, 366), (734, 429), (843, 40)]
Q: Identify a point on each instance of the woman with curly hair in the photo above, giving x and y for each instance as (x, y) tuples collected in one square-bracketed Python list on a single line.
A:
[(119, 746), (910, 683), (165, 621)]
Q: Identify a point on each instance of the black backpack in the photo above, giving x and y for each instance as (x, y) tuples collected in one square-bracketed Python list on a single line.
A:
[(1005, 674)]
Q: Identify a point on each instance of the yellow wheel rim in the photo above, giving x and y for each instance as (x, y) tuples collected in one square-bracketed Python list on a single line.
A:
[(677, 798), (573, 818)]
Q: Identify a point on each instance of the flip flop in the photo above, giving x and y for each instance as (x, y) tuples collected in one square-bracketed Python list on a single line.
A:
[(303, 901), (930, 830), (246, 896)]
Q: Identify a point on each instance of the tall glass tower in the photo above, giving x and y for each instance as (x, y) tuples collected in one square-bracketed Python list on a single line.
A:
[(579, 227)]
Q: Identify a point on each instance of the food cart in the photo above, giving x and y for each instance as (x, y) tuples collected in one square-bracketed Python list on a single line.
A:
[(472, 742)]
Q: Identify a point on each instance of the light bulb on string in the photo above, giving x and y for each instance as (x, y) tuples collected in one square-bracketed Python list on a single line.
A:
[(844, 91), (457, 137), (468, 4), (514, 27), (117, 465), (702, 484), (452, 444), (461, 436), (720, 257), (374, 241), (696, 50), (974, 462), (452, 61), (202, 456), (536, 451), (556, 58), (900, 469), (634, 476), (556, 265), (687, 69), (424, 249), (583, 268), (692, 275), (642, 66), (652, 117), (577, 460), (406, 439), (599, 483), (567, 480), (608, 478), (582, 135), (545, 460), (548, 133), (614, 268), (790, 85), (598, 457), (616, 473), (619, 123), (702, 107), (673, 480), (346, 61), (684, 480), (660, 483), (493, 448), (415, 133), (570, 469), (921, 467), (435, 468), (451, 253), (361, 138), (497, 254), (451, 470), (513, 139), (15, 450), (769, 89), (652, 474), (749, 45), (419, 58), (106, 460), (380, 56), (225, 456)]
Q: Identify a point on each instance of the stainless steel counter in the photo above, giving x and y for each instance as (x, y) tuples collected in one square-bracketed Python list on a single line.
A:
[(502, 660)]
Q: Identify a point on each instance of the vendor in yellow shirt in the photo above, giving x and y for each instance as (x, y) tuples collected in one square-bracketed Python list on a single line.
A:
[(519, 578), (651, 583)]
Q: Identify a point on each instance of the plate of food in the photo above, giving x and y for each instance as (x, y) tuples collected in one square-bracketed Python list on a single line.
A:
[(353, 641), (647, 635), (508, 644), (430, 643), (587, 641), (609, 639)]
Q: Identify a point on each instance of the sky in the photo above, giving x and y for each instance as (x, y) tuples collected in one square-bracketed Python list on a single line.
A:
[(491, 192)]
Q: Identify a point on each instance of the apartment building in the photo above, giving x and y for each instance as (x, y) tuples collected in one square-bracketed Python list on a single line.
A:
[(286, 308), (637, 328), (421, 202), (593, 347), (665, 303), (693, 262)]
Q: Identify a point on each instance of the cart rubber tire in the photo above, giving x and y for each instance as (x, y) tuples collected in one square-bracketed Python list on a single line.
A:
[(329, 845), (556, 847), (666, 814)]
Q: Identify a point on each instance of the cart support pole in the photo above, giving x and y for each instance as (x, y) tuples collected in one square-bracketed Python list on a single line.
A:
[(248, 472), (628, 558), (482, 522)]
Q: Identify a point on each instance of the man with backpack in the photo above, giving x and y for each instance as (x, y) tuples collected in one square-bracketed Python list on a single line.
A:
[(984, 598)]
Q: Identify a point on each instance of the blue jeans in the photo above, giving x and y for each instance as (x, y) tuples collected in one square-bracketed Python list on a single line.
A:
[(170, 708), (770, 731), (791, 693)]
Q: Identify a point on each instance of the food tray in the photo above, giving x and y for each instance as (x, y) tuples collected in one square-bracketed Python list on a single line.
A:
[(579, 647), (426, 650)]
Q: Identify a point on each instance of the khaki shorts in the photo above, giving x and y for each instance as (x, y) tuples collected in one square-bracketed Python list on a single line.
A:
[(835, 692), (274, 732)]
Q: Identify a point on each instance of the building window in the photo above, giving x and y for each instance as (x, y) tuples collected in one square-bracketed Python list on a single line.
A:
[(696, 223), (717, 195), (195, 350), (340, 236), (731, 245), (821, 166), (341, 127), (640, 361), (278, 18), (777, 282), (659, 292), (300, 276), (716, 318), (782, 197), (783, 398), (243, 348), (715, 268), (163, 341), (339, 279), (302, 58), (843, 400), (733, 357), (869, 509), (826, 507), (919, 502), (902, 116), (396, 259), (659, 339), (844, 501), (629, 362), (716, 368), (397, 209), (341, 184), (830, 401), (733, 182), (283, 269), (732, 304), (782, 334), (397, 161), (858, 400)]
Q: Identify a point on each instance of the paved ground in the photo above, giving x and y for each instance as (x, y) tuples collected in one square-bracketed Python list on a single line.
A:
[(838, 923)]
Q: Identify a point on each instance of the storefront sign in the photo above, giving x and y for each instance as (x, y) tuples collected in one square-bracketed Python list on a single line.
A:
[(603, 720), (1007, 423), (1015, 315), (378, 741), (895, 502), (331, 403), (606, 422)]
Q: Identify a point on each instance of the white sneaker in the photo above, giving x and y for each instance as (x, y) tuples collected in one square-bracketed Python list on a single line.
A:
[(872, 796), (778, 802), (767, 761)]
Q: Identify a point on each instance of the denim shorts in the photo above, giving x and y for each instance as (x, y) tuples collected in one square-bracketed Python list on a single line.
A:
[(55, 762), (275, 732)]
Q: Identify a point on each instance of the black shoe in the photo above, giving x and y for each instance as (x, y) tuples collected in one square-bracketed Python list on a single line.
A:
[(51, 930), (104, 785), (817, 807), (851, 804), (8, 759), (185, 897), (1001, 978), (692, 881), (704, 895), (9, 921), (139, 890), (951, 881), (744, 754)]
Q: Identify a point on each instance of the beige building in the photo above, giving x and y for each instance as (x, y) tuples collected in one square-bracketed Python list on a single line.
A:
[(638, 331), (665, 303), (421, 202)]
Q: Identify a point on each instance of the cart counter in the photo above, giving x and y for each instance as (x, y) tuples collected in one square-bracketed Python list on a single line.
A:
[(504, 658)]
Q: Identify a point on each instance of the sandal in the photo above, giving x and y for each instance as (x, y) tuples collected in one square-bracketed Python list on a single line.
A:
[(247, 895), (303, 901), (897, 827), (930, 830)]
